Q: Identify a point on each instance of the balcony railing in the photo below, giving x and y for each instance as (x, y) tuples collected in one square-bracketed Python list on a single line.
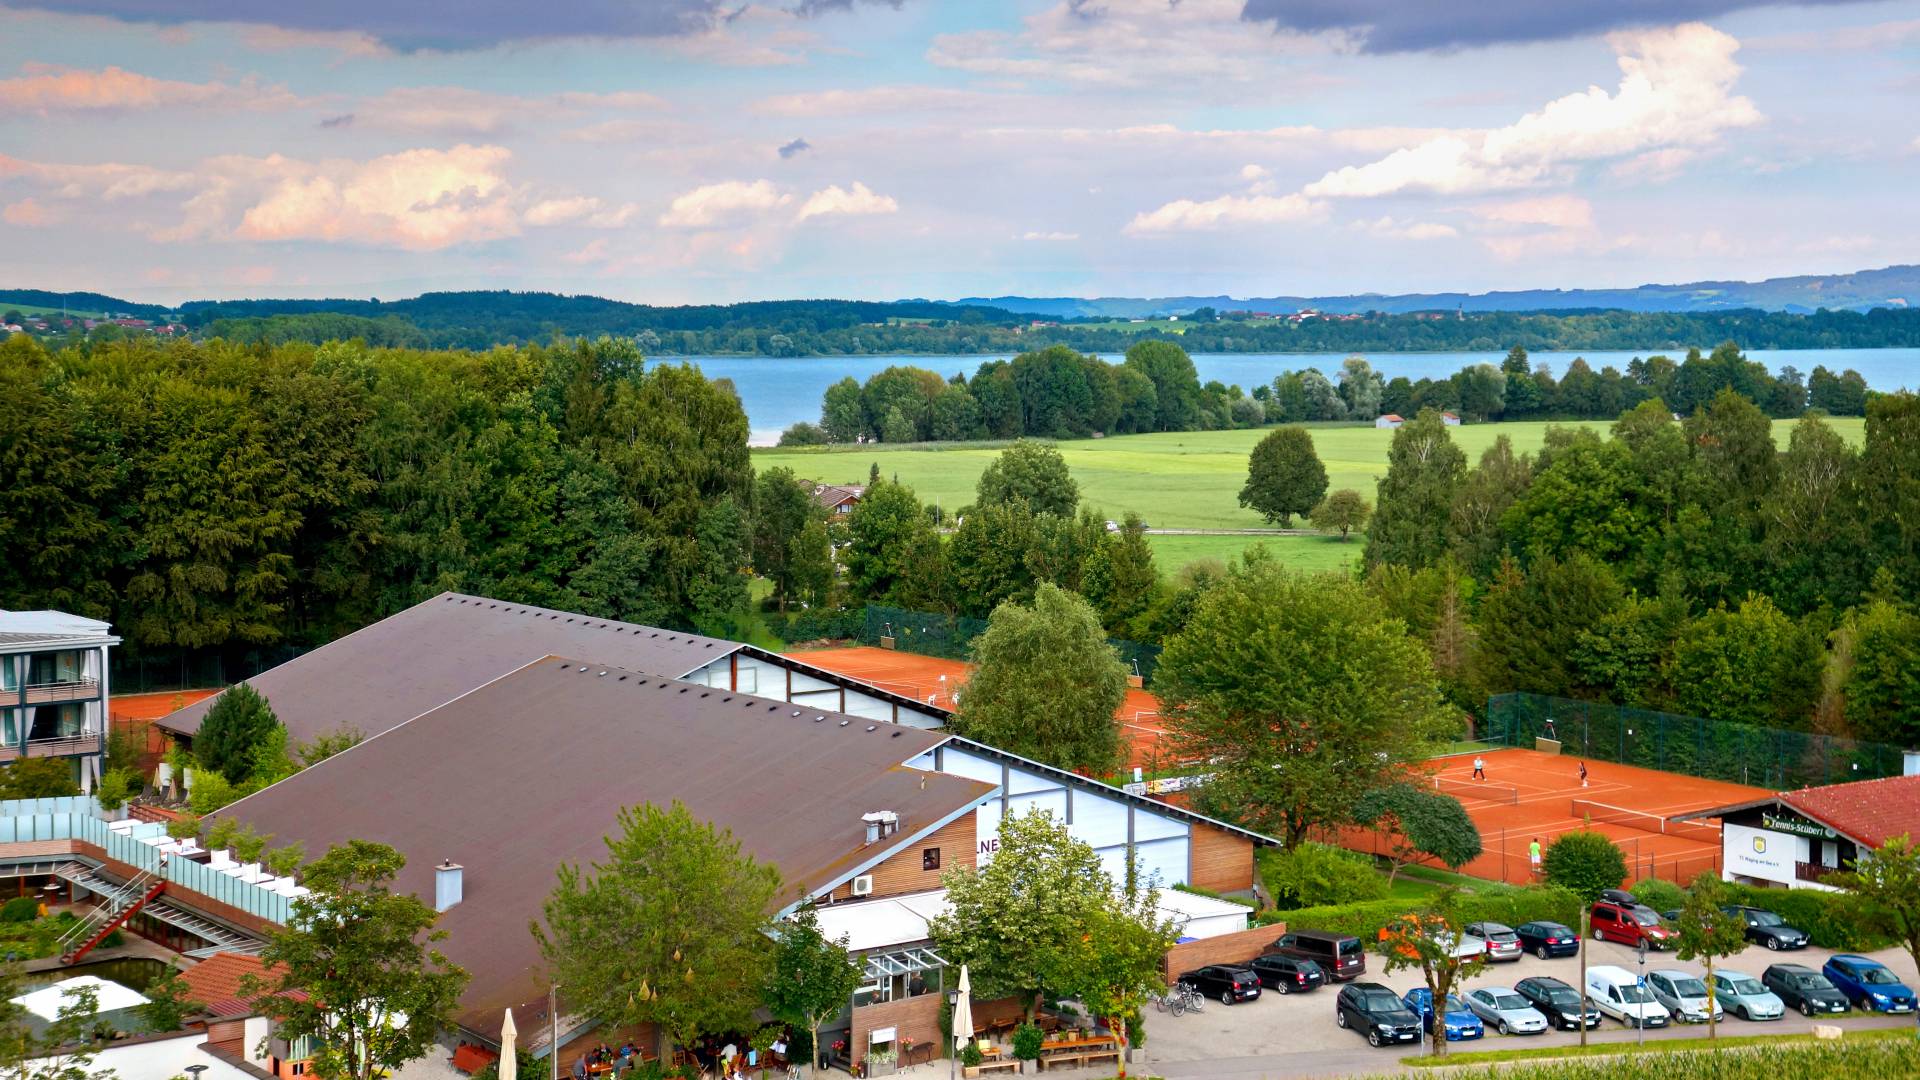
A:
[(1813, 871), (70, 690), (85, 742)]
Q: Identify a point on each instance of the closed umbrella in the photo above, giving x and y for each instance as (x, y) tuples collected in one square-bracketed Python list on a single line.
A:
[(963, 1012), (509, 1060)]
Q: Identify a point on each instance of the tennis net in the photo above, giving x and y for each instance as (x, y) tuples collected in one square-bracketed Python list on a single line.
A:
[(1603, 814), (1477, 789)]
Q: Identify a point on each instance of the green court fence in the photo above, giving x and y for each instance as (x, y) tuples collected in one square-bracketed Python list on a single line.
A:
[(1690, 745), (951, 636)]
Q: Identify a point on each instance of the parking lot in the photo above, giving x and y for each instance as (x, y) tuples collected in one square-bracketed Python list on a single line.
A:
[(1296, 1033)]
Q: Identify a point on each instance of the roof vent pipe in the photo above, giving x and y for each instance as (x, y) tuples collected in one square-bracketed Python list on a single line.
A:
[(447, 884), (880, 823)]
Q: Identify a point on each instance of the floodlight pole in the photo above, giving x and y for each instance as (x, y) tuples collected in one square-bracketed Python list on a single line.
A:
[(1586, 915), (553, 1029), (1640, 1029)]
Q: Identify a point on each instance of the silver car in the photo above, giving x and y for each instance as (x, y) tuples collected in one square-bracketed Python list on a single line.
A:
[(1505, 1011), (1502, 943), (1684, 995), (1743, 996)]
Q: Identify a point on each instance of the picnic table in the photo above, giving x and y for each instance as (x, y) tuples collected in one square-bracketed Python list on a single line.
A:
[(1079, 1050)]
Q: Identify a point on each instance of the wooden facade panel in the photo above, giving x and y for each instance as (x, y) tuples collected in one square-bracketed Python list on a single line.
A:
[(1222, 861), (908, 871), (916, 1018), (1235, 948)]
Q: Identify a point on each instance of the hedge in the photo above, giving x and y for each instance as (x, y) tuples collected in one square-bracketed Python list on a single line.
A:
[(1827, 917), (820, 624), (1365, 920)]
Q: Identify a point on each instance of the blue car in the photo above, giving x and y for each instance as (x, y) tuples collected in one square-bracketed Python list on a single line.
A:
[(1458, 1022), (1868, 984)]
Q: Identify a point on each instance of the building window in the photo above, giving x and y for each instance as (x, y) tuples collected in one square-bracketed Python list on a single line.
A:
[(930, 859)]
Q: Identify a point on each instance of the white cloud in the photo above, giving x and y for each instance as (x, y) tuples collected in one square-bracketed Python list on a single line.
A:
[(456, 110), (1407, 230), (108, 181), (1050, 236), (1251, 173), (874, 99), (580, 209), (45, 89), (716, 204), (1656, 165), (1675, 91), (421, 200), (1556, 211), (836, 200), (1187, 215), (29, 213)]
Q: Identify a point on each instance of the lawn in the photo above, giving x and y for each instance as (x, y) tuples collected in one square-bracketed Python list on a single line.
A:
[(1188, 479)]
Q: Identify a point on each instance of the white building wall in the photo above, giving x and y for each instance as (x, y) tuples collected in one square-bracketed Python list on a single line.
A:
[(762, 678)]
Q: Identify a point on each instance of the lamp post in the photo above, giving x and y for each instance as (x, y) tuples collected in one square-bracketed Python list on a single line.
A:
[(1640, 1029), (953, 1035)]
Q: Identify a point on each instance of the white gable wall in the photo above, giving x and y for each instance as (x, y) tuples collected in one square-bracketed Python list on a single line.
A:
[(746, 674)]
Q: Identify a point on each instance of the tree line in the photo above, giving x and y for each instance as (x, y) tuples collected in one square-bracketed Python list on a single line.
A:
[(1056, 392), (208, 495)]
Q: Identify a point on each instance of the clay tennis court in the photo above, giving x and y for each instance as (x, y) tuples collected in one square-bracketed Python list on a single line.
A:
[(1528, 794), (934, 680)]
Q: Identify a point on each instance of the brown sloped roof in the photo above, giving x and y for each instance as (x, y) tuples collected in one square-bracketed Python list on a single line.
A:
[(436, 650), (531, 771)]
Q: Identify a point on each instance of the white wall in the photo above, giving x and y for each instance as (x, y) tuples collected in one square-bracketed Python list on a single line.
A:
[(763, 678)]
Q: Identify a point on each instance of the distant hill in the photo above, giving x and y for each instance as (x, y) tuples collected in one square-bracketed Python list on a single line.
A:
[(1892, 287), (80, 303)]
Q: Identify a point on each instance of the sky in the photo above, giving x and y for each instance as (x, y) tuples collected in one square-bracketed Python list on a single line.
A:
[(696, 151)]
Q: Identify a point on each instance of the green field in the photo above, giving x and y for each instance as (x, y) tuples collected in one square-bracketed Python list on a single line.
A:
[(1186, 479)]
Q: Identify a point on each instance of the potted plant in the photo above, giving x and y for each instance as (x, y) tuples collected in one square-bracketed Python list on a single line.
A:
[(1027, 1040), (970, 1058)]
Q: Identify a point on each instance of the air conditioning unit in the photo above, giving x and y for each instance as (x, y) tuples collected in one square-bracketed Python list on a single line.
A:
[(863, 885)]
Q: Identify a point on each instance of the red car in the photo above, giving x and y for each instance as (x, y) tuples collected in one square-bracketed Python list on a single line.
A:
[(1630, 924)]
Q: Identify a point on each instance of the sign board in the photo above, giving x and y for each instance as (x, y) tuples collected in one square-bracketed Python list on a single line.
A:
[(1759, 853), (1799, 826), (1165, 785), (881, 1035)]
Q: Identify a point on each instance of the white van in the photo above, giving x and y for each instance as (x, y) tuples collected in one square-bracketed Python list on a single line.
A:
[(1618, 994)]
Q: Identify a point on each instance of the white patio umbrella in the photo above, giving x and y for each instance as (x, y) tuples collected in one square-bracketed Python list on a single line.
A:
[(509, 1060), (963, 1012)]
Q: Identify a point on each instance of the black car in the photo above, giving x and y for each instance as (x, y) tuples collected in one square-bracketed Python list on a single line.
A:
[(1558, 1002), (1766, 928), (1372, 1008), (1800, 987), (1619, 896), (1547, 940), (1288, 974), (1229, 984)]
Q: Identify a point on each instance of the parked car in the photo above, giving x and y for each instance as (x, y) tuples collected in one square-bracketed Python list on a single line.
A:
[(1766, 928), (1341, 956), (1618, 896), (1616, 992), (1801, 987), (1684, 995), (1456, 1023), (1288, 974), (1558, 1002), (1377, 1012), (1508, 1012), (1745, 997), (1500, 940), (1868, 984), (1547, 940), (1630, 924), (1229, 984)]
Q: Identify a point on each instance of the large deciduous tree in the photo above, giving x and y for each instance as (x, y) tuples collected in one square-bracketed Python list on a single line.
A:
[(1032, 472), (1046, 684), (671, 929), (1584, 863), (1126, 945), (1705, 933), (783, 507), (355, 969), (1284, 476), (1343, 512), (1426, 941), (893, 555), (1424, 470), (1303, 694), (1754, 665), (1021, 922), (1119, 577), (1176, 383), (813, 975)]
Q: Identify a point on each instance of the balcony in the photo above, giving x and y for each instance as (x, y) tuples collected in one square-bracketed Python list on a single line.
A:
[(1814, 872), (50, 693), (85, 742)]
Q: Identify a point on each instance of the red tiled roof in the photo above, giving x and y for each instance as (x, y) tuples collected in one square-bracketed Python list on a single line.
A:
[(470, 1059), (1868, 811), (216, 980)]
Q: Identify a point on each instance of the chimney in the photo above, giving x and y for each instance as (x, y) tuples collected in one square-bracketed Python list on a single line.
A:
[(447, 884), (880, 823)]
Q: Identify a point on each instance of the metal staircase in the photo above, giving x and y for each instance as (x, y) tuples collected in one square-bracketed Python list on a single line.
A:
[(222, 938), (108, 917)]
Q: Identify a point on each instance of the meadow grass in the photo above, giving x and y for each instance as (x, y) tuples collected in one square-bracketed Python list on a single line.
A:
[(1182, 479), (1782, 1056)]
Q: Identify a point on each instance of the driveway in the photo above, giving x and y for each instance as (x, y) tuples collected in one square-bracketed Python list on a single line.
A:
[(1295, 1036)]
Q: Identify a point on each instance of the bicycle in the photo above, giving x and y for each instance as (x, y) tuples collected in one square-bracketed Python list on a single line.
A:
[(1195, 1001), (1172, 1001)]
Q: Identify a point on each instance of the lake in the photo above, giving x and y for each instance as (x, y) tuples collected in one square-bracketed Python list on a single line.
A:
[(779, 392)]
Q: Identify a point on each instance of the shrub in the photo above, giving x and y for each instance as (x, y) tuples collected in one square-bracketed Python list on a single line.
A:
[(1659, 895), (184, 827), (20, 909), (1198, 891), (239, 721), (1364, 920), (1826, 917), (211, 791), (116, 787), (1027, 1039), (970, 1055), (1585, 862), (1312, 875), (800, 1043), (1136, 1029)]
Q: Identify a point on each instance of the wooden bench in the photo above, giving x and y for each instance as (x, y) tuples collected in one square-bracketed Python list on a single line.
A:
[(1011, 1065), (1079, 1057)]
